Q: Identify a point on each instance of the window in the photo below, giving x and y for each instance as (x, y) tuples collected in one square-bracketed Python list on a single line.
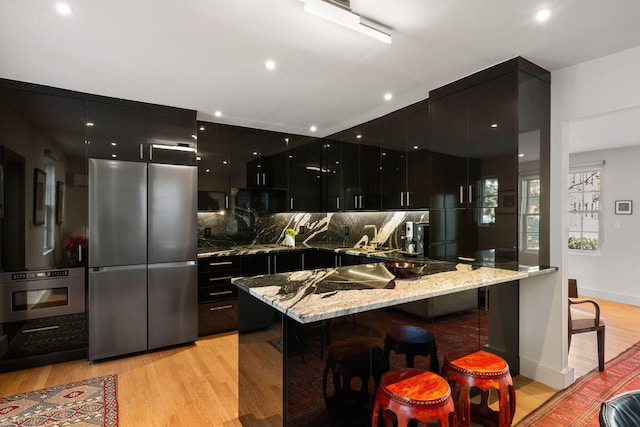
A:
[(48, 227), (489, 201), (530, 224), (584, 210)]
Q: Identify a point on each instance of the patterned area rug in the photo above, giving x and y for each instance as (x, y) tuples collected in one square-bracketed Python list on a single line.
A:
[(579, 404), (91, 402)]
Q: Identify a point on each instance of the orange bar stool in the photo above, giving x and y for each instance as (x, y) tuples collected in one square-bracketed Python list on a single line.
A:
[(412, 341), (485, 371), (412, 393)]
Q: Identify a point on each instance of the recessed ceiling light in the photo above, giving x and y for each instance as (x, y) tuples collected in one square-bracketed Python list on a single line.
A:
[(208, 170), (494, 125), (218, 113), (225, 162), (388, 96), (270, 65), (89, 124), (198, 158), (520, 155), (114, 156), (313, 128), (415, 147), (201, 127), (543, 15), (114, 144), (358, 136), (63, 8)]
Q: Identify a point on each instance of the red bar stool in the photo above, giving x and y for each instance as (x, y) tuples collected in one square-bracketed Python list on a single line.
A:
[(485, 371), (412, 393), (412, 341)]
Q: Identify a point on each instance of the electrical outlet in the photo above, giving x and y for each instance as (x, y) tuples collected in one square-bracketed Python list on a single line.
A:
[(616, 225), (346, 230)]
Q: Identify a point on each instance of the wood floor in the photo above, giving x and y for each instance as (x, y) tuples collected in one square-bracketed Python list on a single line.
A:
[(196, 385)]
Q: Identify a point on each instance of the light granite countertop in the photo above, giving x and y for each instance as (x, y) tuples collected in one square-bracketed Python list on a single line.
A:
[(313, 295)]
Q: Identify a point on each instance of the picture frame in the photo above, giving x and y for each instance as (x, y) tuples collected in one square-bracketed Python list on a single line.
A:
[(59, 202), (39, 193), (624, 207)]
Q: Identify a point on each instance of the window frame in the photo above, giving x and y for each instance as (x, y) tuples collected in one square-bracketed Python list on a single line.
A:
[(49, 226), (600, 211), (524, 213), (484, 196)]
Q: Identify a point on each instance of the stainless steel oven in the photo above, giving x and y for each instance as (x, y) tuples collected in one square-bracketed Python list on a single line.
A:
[(38, 294)]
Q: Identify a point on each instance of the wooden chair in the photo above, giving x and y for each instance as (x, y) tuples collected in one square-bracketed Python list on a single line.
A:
[(585, 321)]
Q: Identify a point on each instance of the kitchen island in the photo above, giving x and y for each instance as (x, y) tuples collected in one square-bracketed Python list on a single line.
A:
[(286, 383)]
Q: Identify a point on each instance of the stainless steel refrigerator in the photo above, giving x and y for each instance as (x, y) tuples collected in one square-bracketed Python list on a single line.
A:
[(142, 256)]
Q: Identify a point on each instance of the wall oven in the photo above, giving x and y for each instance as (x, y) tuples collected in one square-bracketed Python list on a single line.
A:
[(42, 317)]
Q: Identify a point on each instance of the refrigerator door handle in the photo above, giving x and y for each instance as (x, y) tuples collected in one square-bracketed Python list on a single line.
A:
[(118, 268), (171, 264)]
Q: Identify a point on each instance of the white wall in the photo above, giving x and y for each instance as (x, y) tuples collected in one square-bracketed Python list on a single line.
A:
[(613, 274), (594, 88)]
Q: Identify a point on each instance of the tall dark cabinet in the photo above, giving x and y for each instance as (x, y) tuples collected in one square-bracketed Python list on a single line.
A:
[(405, 157), (477, 125)]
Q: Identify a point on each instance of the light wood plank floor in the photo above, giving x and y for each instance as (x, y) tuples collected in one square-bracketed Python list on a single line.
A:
[(196, 385)]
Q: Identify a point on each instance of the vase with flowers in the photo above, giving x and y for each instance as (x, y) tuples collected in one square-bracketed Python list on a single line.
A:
[(75, 248), (290, 237)]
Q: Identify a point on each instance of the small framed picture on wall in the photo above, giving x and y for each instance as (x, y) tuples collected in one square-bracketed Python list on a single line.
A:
[(623, 207)]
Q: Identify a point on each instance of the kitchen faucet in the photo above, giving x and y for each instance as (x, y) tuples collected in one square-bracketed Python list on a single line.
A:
[(373, 242)]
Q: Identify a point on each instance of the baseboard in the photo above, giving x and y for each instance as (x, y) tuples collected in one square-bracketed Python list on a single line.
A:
[(611, 296), (545, 375)]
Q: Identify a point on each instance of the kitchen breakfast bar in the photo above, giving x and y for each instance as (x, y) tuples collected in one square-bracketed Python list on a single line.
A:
[(327, 328)]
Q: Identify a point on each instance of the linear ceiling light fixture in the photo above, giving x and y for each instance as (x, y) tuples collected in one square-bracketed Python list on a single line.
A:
[(338, 11)]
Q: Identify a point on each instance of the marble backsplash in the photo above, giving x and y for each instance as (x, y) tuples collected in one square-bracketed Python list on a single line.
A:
[(345, 228)]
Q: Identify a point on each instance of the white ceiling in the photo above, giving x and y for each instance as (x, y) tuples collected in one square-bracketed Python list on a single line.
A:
[(209, 55)]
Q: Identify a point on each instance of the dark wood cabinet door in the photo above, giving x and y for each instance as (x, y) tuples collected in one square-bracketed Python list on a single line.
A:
[(448, 146), (171, 136), (116, 132), (215, 167), (332, 195), (305, 174), (393, 163), (417, 154)]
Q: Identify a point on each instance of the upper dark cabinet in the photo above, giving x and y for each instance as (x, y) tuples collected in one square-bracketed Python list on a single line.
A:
[(171, 136), (360, 166), (128, 131), (306, 173), (116, 132), (332, 199), (41, 129), (477, 126), (405, 158)]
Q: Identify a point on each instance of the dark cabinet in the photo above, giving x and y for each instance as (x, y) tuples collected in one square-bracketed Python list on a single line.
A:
[(404, 158), (217, 297), (306, 174), (476, 125), (361, 172), (171, 135), (116, 132), (41, 129), (332, 198), (131, 132), (241, 168)]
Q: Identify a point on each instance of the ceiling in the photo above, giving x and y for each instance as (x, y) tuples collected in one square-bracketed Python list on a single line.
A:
[(209, 55)]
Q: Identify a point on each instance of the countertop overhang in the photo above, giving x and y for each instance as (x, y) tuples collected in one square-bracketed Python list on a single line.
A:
[(314, 295)]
